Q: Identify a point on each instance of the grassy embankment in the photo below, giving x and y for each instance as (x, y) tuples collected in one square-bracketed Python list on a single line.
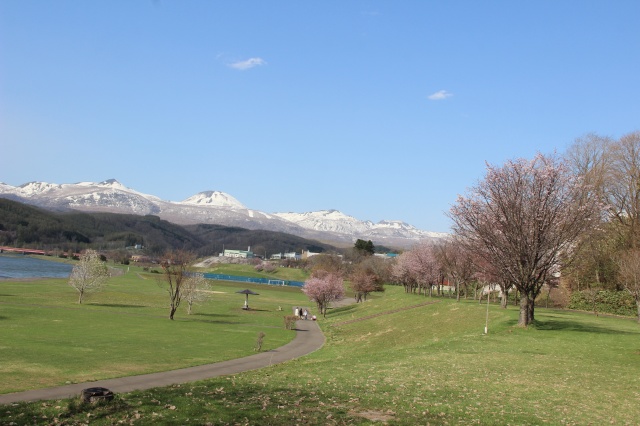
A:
[(427, 365), (290, 274)]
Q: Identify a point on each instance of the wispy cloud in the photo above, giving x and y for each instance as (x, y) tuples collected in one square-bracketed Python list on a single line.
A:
[(440, 95), (247, 64)]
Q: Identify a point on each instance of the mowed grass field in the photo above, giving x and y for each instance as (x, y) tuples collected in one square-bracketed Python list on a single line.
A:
[(47, 339), (281, 273), (401, 359)]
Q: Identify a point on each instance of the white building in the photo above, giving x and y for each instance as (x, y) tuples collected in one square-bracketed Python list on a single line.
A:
[(242, 254)]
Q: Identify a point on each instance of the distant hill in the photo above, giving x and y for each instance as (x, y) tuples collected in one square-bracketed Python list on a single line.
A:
[(218, 208), (27, 226)]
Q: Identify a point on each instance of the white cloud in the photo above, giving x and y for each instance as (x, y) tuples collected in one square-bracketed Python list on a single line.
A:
[(440, 95), (247, 64)]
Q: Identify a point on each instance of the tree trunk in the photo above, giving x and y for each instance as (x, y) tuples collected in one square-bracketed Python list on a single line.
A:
[(505, 300), (548, 297), (172, 311), (638, 305), (457, 292), (532, 308), (523, 320)]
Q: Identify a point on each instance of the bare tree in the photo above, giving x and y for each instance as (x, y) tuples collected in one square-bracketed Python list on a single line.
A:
[(629, 274), (89, 275), (525, 215), (590, 158), (327, 262), (195, 289), (623, 187), (364, 281), (174, 266)]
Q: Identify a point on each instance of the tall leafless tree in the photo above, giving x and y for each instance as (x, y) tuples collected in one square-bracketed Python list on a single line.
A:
[(175, 266), (89, 275), (195, 289), (629, 275), (611, 168), (623, 187)]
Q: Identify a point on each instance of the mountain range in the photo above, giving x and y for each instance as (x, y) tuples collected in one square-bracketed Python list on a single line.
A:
[(214, 207)]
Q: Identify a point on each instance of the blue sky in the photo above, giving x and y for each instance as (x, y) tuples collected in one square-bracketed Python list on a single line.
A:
[(379, 109)]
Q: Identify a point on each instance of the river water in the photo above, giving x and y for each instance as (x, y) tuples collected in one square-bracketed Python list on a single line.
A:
[(18, 266)]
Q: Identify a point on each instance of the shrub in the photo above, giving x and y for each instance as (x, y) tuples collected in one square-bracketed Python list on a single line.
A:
[(290, 322), (603, 301)]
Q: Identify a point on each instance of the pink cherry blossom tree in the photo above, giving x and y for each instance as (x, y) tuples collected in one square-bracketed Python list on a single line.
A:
[(456, 263), (424, 267), (402, 274), (418, 269), (323, 288), (525, 218)]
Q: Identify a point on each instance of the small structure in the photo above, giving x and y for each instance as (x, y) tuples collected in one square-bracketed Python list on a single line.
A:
[(247, 292), (292, 255), (242, 254), (307, 254)]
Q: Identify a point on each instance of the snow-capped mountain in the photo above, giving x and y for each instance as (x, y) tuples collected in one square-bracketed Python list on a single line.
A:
[(109, 195), (214, 207), (337, 222), (214, 198)]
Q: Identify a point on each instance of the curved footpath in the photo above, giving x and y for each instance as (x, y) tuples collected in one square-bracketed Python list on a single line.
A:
[(308, 338)]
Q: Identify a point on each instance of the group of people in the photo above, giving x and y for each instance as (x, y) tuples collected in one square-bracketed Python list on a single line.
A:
[(302, 313)]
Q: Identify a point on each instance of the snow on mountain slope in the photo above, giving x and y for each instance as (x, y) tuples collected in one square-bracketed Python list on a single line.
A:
[(215, 199), (337, 222), (214, 207), (328, 221)]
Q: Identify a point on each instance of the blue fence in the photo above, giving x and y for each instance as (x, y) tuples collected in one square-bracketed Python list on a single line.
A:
[(253, 280)]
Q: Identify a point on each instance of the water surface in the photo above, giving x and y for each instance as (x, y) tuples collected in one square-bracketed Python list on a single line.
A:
[(19, 266)]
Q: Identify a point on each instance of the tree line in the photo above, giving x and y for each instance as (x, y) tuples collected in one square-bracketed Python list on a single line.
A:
[(570, 220)]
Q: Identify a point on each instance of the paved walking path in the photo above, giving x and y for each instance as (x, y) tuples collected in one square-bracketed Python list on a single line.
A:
[(309, 338)]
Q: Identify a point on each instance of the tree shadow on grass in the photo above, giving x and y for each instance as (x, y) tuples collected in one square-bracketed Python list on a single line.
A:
[(207, 321), (341, 309), (2, 317), (213, 315), (569, 325), (116, 305)]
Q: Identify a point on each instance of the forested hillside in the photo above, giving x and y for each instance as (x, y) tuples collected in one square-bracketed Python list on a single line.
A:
[(22, 225)]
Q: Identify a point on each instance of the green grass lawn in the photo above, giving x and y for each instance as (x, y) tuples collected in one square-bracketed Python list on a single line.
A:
[(289, 274), (430, 364), (47, 339)]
